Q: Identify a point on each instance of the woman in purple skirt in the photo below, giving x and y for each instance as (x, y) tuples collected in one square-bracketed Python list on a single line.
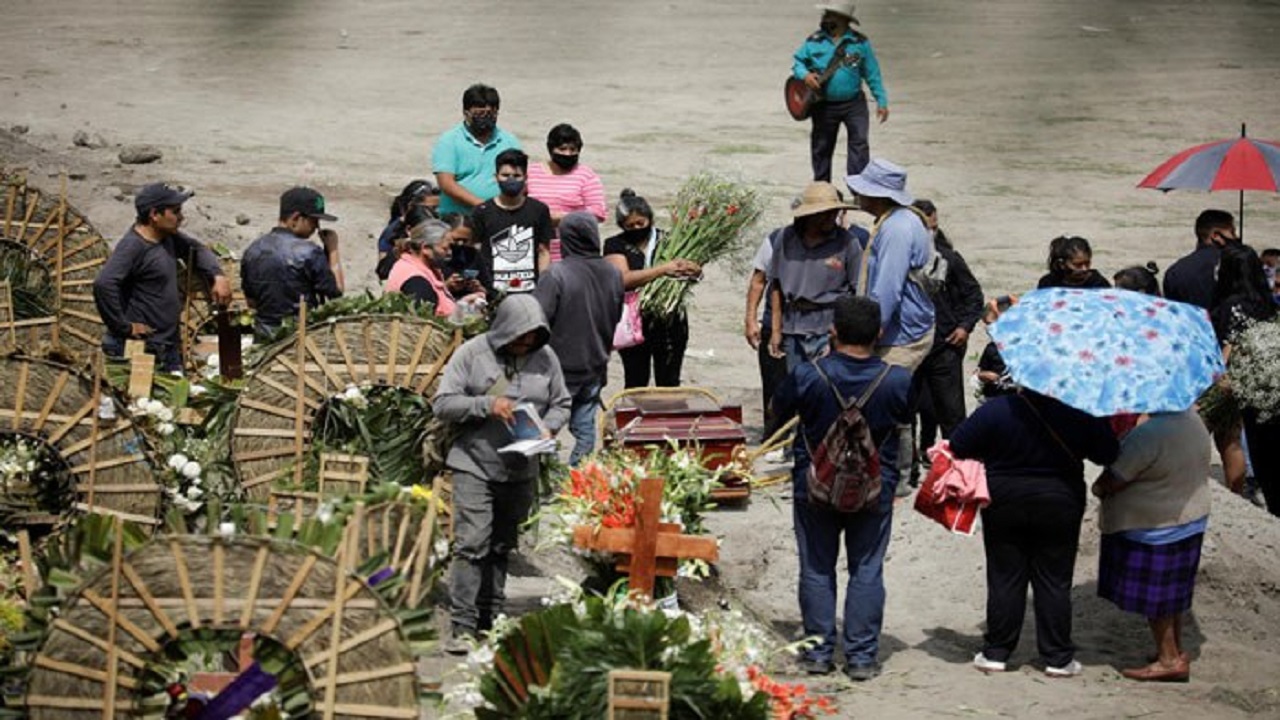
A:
[(1155, 508)]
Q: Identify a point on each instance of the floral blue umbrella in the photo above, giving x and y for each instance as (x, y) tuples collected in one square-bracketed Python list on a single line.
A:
[(1108, 352)]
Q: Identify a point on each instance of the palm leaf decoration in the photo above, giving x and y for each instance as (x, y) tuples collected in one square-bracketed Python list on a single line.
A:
[(524, 662), (555, 664)]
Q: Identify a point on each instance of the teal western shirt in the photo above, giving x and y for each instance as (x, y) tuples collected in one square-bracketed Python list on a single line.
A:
[(817, 52)]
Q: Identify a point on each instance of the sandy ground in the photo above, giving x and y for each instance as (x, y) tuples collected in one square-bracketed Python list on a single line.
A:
[(1022, 119)]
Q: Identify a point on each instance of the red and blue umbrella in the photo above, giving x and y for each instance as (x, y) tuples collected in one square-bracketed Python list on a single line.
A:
[(1241, 164)]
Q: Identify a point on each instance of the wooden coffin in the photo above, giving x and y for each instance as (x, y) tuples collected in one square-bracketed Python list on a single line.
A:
[(695, 419)]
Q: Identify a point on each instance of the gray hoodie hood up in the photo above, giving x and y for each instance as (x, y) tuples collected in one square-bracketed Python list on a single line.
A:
[(481, 371), (582, 298)]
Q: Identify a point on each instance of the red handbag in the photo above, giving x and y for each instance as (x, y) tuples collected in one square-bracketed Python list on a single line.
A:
[(958, 516)]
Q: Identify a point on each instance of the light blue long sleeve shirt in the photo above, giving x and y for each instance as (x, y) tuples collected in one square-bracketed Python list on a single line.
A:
[(819, 49), (901, 245)]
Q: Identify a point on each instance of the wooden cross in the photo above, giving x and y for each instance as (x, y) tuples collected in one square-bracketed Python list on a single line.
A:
[(651, 548)]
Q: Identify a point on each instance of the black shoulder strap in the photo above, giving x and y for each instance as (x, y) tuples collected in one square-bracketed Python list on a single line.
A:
[(1053, 433)]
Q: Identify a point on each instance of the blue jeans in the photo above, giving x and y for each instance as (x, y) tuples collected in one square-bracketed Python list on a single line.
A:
[(168, 358), (866, 537), (801, 349), (582, 421)]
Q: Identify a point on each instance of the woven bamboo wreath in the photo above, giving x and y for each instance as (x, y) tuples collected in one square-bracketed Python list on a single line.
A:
[(114, 643), (56, 254), (271, 425), (107, 462)]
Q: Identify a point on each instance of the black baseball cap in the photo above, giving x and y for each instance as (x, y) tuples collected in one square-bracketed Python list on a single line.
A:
[(160, 195), (305, 201)]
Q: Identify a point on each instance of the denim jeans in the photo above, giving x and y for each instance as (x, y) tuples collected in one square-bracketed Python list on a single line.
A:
[(168, 358), (866, 537), (582, 421), (801, 349)]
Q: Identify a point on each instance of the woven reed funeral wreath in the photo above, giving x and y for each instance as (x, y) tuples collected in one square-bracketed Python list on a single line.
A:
[(59, 455), (163, 627), (357, 384), (49, 254)]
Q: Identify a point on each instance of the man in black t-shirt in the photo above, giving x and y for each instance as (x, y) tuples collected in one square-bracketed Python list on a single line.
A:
[(1191, 279), (513, 230)]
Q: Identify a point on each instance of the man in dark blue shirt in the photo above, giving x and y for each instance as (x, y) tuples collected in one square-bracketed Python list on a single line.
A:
[(136, 291), (851, 366), (283, 266), (1192, 277)]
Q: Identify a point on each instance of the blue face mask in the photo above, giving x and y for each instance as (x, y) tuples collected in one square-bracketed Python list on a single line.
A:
[(511, 188)]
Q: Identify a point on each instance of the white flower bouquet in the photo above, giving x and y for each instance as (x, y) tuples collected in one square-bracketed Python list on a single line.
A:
[(1254, 368)]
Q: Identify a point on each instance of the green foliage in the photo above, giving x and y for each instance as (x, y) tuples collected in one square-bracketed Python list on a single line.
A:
[(576, 650), (388, 424), (214, 650), (30, 281)]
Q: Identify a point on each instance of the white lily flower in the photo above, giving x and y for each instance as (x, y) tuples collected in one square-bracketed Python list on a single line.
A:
[(177, 461), (191, 470)]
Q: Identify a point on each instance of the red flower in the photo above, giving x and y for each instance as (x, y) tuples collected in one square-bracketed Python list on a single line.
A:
[(1152, 334), (731, 210), (515, 283), (1087, 355), (1055, 328), (1124, 360)]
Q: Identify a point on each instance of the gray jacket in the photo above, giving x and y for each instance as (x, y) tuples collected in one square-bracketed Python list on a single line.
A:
[(582, 298), (479, 371)]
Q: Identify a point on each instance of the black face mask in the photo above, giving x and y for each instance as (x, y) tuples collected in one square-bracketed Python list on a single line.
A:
[(565, 162), (828, 27), (511, 188), (637, 236), (483, 124)]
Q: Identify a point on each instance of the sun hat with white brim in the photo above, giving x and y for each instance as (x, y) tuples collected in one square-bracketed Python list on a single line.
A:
[(882, 179), (845, 9), (819, 197)]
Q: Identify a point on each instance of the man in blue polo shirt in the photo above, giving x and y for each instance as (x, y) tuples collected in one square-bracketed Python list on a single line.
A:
[(843, 102), (463, 157)]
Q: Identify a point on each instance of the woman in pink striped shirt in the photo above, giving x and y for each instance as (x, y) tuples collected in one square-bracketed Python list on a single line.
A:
[(564, 184)]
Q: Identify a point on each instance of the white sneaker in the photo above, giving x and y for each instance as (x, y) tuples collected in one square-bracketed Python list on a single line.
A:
[(980, 662), (1071, 669)]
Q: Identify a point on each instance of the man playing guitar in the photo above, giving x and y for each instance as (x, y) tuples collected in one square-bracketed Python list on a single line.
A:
[(842, 99)]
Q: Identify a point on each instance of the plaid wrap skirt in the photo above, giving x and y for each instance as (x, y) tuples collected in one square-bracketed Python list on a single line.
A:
[(1152, 580)]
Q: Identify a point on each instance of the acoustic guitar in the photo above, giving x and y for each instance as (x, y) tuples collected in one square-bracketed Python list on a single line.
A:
[(800, 99)]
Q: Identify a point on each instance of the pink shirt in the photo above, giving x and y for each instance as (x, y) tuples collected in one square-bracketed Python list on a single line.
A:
[(579, 189), (410, 266)]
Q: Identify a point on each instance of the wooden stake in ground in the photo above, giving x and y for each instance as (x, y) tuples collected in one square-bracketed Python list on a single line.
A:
[(300, 403), (653, 547)]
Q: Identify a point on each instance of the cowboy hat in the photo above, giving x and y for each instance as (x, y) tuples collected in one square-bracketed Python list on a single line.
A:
[(845, 8), (819, 197), (883, 179)]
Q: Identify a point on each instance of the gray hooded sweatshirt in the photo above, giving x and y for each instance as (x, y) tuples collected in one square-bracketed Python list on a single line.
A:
[(582, 298), (480, 371)]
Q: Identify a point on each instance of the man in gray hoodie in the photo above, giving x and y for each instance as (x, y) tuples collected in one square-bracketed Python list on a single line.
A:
[(484, 382), (582, 298)]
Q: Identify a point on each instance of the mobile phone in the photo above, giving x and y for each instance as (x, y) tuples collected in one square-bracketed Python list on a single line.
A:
[(1003, 302)]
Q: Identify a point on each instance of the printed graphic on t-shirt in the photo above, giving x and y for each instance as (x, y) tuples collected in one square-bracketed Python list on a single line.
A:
[(514, 259)]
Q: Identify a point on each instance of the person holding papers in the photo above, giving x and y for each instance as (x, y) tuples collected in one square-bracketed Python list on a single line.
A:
[(494, 380)]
